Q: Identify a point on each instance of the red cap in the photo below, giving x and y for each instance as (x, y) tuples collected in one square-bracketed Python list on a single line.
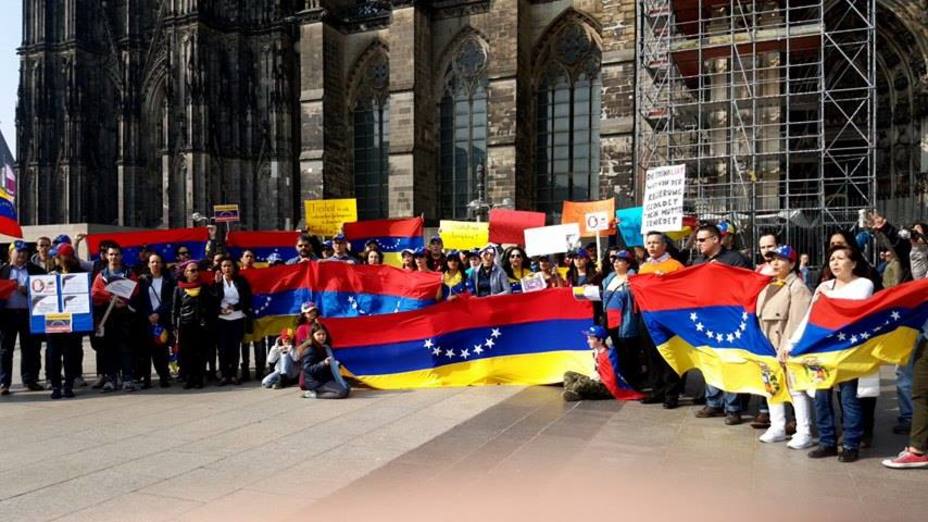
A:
[(66, 250)]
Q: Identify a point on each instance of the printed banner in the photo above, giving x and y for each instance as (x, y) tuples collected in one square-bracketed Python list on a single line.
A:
[(663, 199), (463, 235), (325, 217)]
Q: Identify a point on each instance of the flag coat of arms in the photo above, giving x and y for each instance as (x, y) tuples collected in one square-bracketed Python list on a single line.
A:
[(704, 318), (847, 339), (338, 289), (521, 339)]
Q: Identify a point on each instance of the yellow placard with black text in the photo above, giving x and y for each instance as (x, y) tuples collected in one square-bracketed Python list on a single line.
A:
[(325, 217)]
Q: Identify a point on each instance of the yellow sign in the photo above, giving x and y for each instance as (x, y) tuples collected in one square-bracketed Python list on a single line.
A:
[(325, 217), (461, 235)]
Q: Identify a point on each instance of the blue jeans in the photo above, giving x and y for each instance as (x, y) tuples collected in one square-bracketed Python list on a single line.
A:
[(904, 390), (285, 367), (852, 413), (717, 398)]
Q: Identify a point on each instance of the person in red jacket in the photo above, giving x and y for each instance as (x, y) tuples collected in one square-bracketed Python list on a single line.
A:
[(117, 330), (607, 383)]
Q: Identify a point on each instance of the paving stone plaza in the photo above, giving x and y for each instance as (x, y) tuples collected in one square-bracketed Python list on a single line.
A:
[(491, 453)]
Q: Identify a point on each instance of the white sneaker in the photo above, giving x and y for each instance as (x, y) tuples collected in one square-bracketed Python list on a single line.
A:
[(799, 442), (309, 394), (773, 435)]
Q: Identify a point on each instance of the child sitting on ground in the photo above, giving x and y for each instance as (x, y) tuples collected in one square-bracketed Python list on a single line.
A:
[(321, 377), (286, 360), (607, 382)]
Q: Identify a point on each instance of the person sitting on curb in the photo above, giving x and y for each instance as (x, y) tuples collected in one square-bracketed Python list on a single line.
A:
[(607, 382)]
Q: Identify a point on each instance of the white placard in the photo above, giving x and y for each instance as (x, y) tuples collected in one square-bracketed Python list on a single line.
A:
[(44, 304), (663, 199), (556, 239), (74, 284), (534, 283), (75, 303), (122, 288), (596, 222), (43, 285)]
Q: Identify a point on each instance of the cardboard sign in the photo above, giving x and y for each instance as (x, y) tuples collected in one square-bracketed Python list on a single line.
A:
[(533, 283), (508, 226), (663, 199), (60, 303), (462, 235), (225, 213), (325, 217), (556, 239), (577, 211)]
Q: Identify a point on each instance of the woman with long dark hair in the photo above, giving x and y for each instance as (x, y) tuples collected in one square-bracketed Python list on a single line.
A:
[(321, 377), (582, 270), (234, 295), (194, 310), (454, 279), (514, 261)]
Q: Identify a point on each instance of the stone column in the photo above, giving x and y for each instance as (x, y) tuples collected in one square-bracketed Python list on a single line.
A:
[(312, 133)]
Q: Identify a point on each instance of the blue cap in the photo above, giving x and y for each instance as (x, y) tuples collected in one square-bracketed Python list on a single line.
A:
[(327, 244), (454, 253), (274, 257), (53, 252), (595, 331), (581, 252), (406, 251), (623, 254), (19, 244), (488, 247), (339, 237), (435, 239), (419, 252), (62, 239), (786, 252)]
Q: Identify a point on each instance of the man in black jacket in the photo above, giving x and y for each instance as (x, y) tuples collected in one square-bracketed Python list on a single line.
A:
[(14, 321)]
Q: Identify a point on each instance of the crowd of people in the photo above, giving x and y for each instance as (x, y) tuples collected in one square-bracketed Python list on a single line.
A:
[(201, 310)]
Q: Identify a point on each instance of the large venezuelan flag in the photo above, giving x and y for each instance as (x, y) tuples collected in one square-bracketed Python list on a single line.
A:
[(262, 243), (393, 236), (703, 318), (338, 289), (164, 242), (846, 339), (510, 339)]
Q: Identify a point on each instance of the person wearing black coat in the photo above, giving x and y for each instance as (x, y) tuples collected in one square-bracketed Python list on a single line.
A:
[(235, 311), (194, 308), (14, 321), (155, 305), (321, 377)]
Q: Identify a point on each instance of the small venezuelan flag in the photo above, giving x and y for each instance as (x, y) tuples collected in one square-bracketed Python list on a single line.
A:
[(393, 236), (522, 339), (847, 339)]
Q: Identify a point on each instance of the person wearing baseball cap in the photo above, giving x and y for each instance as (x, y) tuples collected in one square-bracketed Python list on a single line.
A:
[(436, 258), (607, 382), (340, 250), (421, 257), (781, 307), (582, 272), (489, 278), (16, 323), (408, 257), (621, 319), (286, 360)]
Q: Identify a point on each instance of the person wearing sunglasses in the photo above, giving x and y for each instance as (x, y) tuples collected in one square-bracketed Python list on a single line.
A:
[(489, 278), (514, 261)]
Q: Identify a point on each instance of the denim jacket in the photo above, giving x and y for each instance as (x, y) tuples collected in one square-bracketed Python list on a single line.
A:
[(619, 306)]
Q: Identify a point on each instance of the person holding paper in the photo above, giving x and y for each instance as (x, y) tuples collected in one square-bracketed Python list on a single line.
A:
[(14, 322), (548, 269), (64, 348), (117, 317)]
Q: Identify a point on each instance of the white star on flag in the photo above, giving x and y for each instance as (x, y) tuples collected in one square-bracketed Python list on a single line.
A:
[(478, 349), (489, 343), (719, 337), (699, 327), (428, 343), (853, 339), (895, 315), (744, 316), (841, 336), (436, 351), (877, 329), (465, 354), (743, 326), (693, 316), (730, 338), (738, 334), (450, 353), (494, 333), (710, 333), (864, 336)]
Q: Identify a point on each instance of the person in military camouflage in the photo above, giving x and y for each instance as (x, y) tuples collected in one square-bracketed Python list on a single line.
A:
[(607, 382)]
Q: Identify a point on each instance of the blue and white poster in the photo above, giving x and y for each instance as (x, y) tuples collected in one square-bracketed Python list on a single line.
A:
[(60, 303)]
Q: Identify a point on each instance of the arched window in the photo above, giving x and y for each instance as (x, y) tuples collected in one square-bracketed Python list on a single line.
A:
[(371, 130), (463, 121), (568, 102)]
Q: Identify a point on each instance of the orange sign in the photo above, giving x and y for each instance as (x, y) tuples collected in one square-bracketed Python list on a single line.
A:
[(577, 211)]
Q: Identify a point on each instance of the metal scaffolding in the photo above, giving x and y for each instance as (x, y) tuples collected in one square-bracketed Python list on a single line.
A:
[(769, 104)]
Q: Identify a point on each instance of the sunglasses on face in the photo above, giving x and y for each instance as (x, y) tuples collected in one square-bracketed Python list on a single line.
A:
[(515, 256), (703, 239)]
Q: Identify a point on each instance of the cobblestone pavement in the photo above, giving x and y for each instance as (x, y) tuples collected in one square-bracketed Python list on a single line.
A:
[(491, 453)]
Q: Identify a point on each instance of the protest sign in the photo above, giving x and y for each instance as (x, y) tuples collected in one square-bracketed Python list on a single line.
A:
[(576, 212), (663, 199), (325, 217), (461, 235), (60, 303), (225, 213), (508, 226), (628, 221), (533, 283), (555, 239)]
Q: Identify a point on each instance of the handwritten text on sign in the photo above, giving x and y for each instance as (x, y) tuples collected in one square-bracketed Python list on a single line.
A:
[(325, 217), (663, 199), (463, 234)]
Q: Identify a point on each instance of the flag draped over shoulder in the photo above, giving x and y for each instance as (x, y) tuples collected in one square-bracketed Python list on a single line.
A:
[(393, 236), (704, 318), (164, 242), (262, 243), (847, 339), (511, 339), (338, 289)]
